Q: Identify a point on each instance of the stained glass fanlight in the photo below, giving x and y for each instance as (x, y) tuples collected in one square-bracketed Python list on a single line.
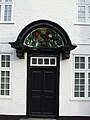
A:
[(43, 38)]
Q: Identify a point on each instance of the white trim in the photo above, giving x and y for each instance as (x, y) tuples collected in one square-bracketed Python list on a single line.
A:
[(43, 64), (6, 69), (86, 71), (3, 3), (87, 19)]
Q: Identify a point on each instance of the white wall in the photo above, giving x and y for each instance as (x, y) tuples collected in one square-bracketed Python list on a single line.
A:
[(16, 103), (63, 12)]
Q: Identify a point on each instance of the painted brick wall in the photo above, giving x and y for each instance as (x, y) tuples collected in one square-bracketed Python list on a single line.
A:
[(63, 12)]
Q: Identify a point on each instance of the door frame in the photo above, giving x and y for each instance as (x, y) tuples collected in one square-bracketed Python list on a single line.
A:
[(57, 84)]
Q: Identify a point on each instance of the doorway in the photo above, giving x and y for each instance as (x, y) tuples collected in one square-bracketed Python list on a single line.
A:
[(43, 86)]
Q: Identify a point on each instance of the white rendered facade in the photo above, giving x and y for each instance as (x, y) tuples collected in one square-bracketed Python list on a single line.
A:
[(63, 13)]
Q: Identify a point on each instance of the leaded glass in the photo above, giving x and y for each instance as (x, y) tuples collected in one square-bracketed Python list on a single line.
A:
[(43, 38)]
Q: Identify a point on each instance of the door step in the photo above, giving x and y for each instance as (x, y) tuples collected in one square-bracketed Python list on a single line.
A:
[(38, 119)]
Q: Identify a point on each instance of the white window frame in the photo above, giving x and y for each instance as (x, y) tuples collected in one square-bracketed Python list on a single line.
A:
[(6, 69), (2, 4), (43, 58), (86, 71), (86, 5)]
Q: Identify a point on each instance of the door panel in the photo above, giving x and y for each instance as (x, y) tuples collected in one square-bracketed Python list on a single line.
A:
[(43, 91), (49, 79), (36, 80)]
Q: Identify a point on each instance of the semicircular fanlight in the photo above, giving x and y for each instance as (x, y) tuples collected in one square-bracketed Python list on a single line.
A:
[(43, 38)]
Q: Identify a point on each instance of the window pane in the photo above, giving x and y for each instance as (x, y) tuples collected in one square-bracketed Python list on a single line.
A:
[(81, 1), (8, 0), (2, 92), (76, 94), (76, 75), (52, 61), (82, 94), (34, 61), (40, 61), (0, 12), (82, 88), (82, 75), (76, 59), (76, 87), (79, 86), (76, 81), (7, 57), (46, 61), (79, 62), (81, 13), (7, 12), (82, 81)]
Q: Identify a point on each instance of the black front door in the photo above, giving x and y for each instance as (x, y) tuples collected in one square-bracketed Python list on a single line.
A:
[(43, 91)]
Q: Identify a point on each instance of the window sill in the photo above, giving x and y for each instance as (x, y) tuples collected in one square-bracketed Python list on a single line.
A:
[(7, 22), (6, 97), (80, 99), (82, 24)]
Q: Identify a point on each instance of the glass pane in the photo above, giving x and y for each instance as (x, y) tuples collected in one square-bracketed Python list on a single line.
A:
[(7, 57), (76, 88), (34, 61), (7, 64), (40, 61), (88, 81), (76, 59), (2, 64), (7, 92), (2, 86), (2, 92), (82, 81), (52, 61), (82, 88), (3, 57), (82, 59), (81, 13), (7, 73), (76, 75), (2, 73), (76, 81), (7, 80), (88, 94), (8, 0), (88, 75), (7, 86), (81, 1), (81, 94), (46, 61), (82, 75), (7, 12), (89, 66), (82, 66), (88, 88), (76, 65), (2, 79), (76, 94), (88, 59)]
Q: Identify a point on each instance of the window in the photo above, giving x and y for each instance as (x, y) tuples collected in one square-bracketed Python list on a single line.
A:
[(83, 11), (6, 11), (43, 61), (5, 74), (82, 76)]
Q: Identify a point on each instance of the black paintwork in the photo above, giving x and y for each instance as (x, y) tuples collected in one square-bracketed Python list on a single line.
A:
[(43, 90), (20, 48)]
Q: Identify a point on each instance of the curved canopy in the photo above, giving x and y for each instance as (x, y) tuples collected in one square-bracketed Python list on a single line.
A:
[(43, 35)]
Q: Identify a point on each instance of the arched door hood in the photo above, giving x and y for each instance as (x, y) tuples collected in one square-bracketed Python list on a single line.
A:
[(43, 36)]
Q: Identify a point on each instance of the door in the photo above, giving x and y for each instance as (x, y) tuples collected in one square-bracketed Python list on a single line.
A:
[(43, 87)]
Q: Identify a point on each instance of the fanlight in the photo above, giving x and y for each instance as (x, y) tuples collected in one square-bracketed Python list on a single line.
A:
[(43, 38)]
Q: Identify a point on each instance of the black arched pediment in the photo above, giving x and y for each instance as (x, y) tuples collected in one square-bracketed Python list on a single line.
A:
[(43, 35)]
